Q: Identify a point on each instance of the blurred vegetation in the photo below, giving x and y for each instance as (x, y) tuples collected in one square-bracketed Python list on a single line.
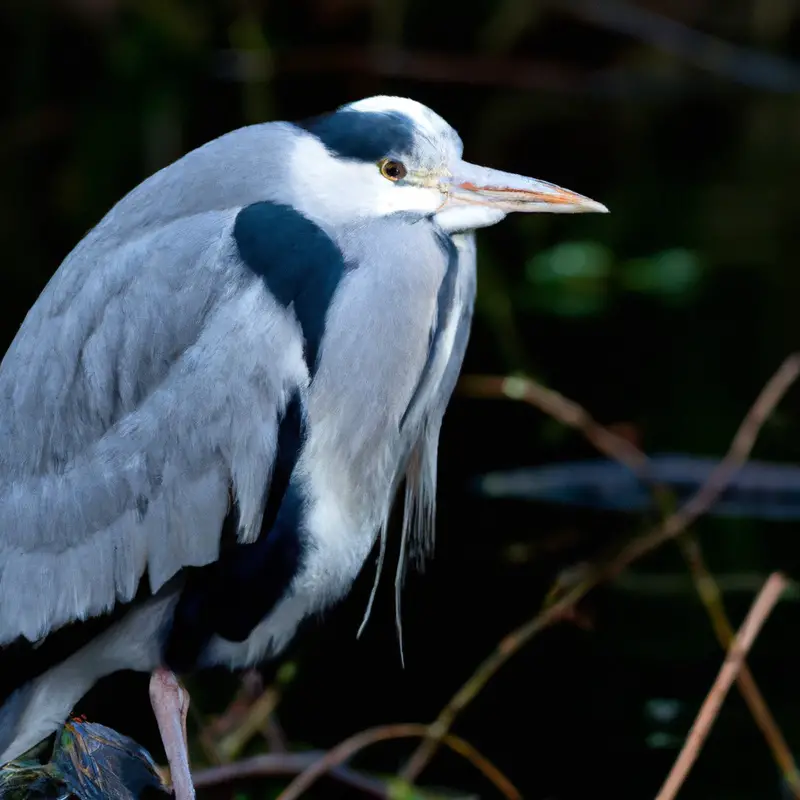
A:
[(663, 318)]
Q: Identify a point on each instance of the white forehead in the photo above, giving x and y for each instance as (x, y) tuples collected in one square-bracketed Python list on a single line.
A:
[(422, 115), (424, 118)]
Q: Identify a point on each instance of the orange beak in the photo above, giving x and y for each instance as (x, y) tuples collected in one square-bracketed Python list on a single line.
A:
[(474, 185)]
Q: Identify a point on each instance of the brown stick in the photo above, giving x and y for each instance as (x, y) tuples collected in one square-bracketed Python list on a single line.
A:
[(352, 745), (759, 611), (283, 764), (574, 416), (737, 454), (709, 592)]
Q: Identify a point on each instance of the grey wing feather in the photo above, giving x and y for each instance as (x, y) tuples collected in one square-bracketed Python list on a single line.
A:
[(146, 382), (420, 468), (421, 472), (467, 289)]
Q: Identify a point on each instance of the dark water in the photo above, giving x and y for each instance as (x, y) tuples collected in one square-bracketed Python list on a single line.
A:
[(667, 315), (758, 490)]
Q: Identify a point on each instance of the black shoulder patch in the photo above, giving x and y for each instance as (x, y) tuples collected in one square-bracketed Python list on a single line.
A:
[(297, 260), (363, 135)]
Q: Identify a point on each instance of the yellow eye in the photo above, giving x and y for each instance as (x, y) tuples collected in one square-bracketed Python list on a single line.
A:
[(392, 170)]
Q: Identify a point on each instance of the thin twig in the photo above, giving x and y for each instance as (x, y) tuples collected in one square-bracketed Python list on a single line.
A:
[(349, 747), (573, 415), (215, 729), (248, 691), (759, 611), (283, 764), (737, 455), (738, 452), (272, 731), (679, 584), (253, 722), (709, 593)]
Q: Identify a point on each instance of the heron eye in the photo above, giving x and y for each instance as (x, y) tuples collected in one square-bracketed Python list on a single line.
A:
[(392, 170)]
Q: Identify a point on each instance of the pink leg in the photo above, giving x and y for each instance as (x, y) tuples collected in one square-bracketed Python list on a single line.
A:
[(170, 703)]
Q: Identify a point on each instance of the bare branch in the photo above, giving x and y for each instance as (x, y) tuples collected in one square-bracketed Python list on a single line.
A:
[(737, 455), (572, 415), (674, 524), (349, 747), (282, 764), (708, 590), (759, 611)]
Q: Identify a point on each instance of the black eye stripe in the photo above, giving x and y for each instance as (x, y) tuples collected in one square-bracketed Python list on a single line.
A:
[(363, 136)]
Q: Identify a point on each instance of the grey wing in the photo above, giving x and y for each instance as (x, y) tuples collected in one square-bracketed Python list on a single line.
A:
[(145, 384)]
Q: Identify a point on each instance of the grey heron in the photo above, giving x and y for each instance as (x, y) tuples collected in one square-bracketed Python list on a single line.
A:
[(208, 411)]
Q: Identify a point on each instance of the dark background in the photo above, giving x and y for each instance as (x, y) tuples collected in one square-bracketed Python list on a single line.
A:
[(667, 315)]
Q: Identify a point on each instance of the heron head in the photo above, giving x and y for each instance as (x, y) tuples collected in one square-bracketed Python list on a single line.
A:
[(385, 155)]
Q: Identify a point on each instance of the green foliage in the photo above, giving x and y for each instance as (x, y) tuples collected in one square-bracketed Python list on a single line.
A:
[(569, 279), (671, 275), (581, 278)]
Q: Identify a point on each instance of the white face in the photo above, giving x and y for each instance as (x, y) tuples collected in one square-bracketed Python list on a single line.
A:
[(384, 155)]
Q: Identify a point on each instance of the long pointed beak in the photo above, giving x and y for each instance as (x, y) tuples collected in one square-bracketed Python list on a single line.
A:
[(471, 184)]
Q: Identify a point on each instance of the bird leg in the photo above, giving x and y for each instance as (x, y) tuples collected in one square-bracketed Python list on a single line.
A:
[(170, 703)]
